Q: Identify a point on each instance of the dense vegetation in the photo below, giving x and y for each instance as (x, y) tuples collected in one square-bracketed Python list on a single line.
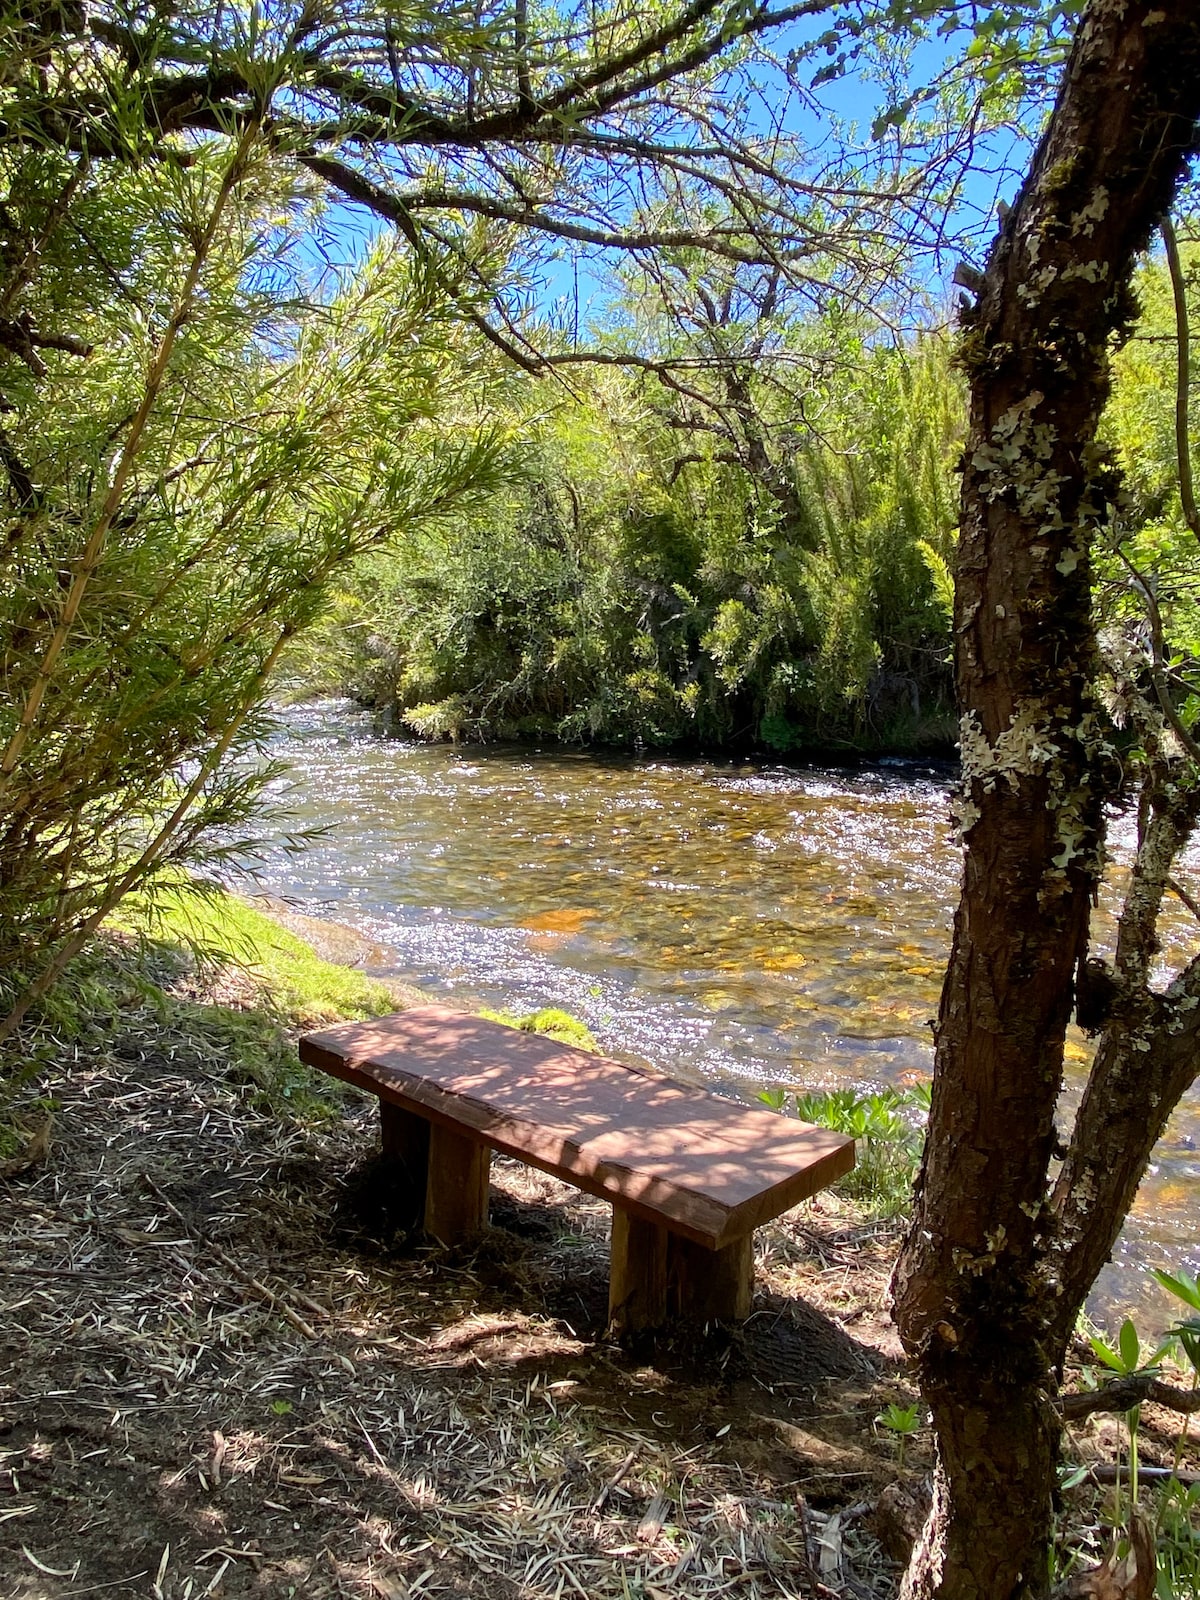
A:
[(641, 581), (646, 577)]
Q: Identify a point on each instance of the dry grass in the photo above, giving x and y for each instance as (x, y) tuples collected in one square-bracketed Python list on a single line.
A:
[(223, 1375)]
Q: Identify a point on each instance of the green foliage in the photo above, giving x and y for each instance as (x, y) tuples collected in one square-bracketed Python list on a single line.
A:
[(273, 982), (622, 591), (1177, 1543), (1187, 1329), (560, 1025), (1148, 571), (886, 1125), (1177, 1546), (177, 504), (130, 996)]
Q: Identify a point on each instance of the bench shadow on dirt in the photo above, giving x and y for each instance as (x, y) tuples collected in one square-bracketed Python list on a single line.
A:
[(545, 1255), (227, 1373)]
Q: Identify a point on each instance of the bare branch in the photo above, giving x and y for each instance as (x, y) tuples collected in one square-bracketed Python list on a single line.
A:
[(1122, 1394), (1157, 657), (717, 241), (1189, 900)]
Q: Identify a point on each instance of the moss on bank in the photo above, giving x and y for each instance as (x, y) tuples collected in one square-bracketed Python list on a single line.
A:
[(226, 933)]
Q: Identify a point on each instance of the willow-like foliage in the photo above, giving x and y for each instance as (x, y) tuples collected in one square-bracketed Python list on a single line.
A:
[(643, 582), (195, 443)]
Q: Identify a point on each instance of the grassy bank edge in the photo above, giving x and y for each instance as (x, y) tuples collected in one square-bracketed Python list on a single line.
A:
[(228, 979)]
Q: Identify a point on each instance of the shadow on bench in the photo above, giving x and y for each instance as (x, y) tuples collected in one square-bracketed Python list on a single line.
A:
[(689, 1175)]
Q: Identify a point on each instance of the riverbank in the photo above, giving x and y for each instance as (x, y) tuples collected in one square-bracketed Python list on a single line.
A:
[(225, 1374)]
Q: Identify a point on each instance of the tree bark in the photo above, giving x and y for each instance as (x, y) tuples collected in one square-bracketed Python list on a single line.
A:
[(977, 1301)]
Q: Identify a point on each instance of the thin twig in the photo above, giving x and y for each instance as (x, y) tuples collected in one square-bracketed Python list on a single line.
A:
[(1106, 1472), (235, 1266), (601, 1499), (1189, 900)]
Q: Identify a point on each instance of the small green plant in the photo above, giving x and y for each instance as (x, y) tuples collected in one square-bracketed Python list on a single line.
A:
[(1175, 1527), (901, 1422), (1125, 1360), (888, 1126), (560, 1025), (1176, 1540), (775, 1097)]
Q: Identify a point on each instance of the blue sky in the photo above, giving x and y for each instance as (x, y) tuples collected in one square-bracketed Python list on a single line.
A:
[(572, 284)]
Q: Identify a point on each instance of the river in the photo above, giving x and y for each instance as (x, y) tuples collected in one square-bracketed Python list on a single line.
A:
[(738, 923)]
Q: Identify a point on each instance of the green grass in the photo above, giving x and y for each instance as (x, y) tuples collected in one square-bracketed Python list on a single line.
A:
[(223, 930), (552, 1023), (210, 980), (205, 979)]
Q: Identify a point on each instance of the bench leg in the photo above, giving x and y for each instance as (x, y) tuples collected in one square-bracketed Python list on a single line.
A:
[(456, 1195), (404, 1144), (637, 1282), (710, 1285), (440, 1177), (656, 1275)]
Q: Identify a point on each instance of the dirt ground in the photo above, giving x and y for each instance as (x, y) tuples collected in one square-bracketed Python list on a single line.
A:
[(223, 1373)]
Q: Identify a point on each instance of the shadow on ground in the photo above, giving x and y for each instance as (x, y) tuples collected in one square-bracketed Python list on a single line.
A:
[(226, 1372)]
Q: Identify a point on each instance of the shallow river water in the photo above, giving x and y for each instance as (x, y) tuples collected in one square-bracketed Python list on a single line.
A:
[(743, 924)]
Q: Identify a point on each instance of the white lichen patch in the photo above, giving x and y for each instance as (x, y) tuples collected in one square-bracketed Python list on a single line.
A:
[(1010, 421), (964, 813), (1085, 219), (1088, 271), (1015, 459), (1073, 835), (1033, 746), (1024, 749), (1068, 561)]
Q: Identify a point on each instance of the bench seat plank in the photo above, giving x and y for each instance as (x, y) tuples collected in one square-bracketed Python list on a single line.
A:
[(673, 1155)]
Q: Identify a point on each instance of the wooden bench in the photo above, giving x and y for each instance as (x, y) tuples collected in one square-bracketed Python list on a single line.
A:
[(690, 1176)]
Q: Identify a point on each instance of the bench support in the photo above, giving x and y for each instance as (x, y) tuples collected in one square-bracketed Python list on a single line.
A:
[(442, 1176), (456, 1195), (404, 1146), (657, 1276)]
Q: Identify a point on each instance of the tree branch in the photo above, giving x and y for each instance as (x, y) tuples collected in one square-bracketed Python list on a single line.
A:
[(26, 493), (1183, 444), (715, 241), (1122, 1394)]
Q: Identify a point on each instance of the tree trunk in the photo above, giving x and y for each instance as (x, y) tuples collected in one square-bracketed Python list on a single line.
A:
[(977, 1302)]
